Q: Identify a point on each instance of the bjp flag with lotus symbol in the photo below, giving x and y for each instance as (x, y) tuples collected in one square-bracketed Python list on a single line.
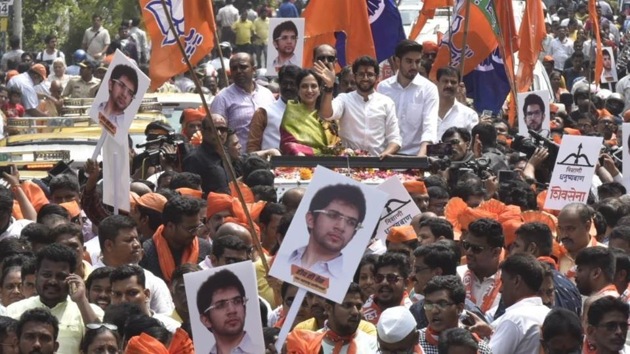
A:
[(194, 27)]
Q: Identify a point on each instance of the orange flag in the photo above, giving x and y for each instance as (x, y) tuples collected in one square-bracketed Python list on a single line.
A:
[(508, 45), (483, 30), (532, 34), (599, 64), (194, 26), (325, 17), (427, 12)]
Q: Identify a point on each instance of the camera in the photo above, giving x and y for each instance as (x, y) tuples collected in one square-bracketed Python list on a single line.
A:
[(154, 148), (528, 146)]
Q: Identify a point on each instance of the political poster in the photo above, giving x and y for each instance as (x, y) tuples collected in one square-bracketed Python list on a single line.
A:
[(285, 44), (399, 208), (533, 112)]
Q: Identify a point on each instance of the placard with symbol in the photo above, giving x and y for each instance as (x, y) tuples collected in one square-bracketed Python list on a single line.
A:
[(4, 8)]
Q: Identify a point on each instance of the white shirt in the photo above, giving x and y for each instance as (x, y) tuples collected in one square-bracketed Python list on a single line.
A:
[(160, 298), (623, 87), (480, 288), (560, 51), (227, 15), (416, 110), (518, 330), (169, 323), (458, 116), (246, 346), (330, 269), (24, 82), (293, 60), (15, 228), (370, 125), (271, 134)]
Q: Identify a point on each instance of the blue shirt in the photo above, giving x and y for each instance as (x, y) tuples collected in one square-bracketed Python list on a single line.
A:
[(287, 9)]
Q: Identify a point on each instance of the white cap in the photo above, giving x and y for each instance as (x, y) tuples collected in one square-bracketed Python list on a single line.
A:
[(395, 324)]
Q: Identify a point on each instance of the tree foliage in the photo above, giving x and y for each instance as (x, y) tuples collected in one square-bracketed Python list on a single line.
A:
[(69, 19)]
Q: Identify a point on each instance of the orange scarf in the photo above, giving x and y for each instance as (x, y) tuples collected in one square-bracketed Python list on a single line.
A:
[(549, 260), (167, 263), (181, 343), (340, 341), (489, 296)]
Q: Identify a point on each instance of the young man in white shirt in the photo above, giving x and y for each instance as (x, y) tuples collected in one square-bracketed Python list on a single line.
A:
[(367, 119), (416, 100)]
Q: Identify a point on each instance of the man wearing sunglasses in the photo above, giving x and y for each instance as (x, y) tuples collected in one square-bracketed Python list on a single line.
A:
[(608, 325), (334, 216), (483, 247), (222, 306), (205, 160), (123, 86), (391, 274)]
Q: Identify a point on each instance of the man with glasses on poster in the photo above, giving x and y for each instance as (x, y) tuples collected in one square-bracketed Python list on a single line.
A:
[(123, 86), (285, 37), (334, 216), (222, 306)]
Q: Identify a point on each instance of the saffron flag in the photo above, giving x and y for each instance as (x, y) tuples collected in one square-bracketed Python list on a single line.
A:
[(387, 27), (427, 12), (194, 27), (599, 64), (324, 18), (483, 30), (532, 34)]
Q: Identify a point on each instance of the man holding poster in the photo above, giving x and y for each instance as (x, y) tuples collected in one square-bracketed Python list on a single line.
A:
[(333, 218), (123, 86)]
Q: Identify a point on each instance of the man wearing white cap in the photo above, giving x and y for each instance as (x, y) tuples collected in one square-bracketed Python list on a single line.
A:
[(397, 331)]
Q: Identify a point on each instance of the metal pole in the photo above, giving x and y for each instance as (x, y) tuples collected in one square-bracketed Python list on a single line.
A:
[(464, 40)]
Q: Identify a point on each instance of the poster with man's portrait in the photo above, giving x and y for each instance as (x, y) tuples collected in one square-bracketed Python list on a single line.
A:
[(609, 73), (329, 234), (285, 44), (533, 112), (119, 97), (224, 309)]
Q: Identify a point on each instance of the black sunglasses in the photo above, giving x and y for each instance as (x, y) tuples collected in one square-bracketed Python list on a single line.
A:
[(474, 248), (328, 58)]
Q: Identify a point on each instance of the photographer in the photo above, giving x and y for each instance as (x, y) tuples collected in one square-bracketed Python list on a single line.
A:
[(164, 151), (485, 147)]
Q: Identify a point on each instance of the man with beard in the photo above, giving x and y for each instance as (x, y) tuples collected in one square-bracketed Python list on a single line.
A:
[(342, 333), (129, 286), (264, 131), (54, 277), (390, 275), (416, 100), (574, 225), (222, 305), (238, 102), (367, 119), (120, 244), (594, 275), (452, 113), (123, 86), (481, 276), (607, 325), (334, 216), (534, 112), (37, 331)]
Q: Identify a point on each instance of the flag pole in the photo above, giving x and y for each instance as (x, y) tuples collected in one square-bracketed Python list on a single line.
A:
[(502, 49), (221, 149), (464, 40), (216, 40)]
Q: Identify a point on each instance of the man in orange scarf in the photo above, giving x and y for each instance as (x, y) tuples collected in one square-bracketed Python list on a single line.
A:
[(175, 242), (342, 333)]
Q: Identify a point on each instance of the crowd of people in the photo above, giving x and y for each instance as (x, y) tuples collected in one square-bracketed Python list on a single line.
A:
[(484, 267)]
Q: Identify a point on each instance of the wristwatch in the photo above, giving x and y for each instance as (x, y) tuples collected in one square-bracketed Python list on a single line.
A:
[(327, 89)]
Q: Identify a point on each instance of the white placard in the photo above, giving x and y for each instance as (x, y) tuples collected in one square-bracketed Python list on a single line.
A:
[(119, 97), (322, 249), (225, 283), (625, 154), (533, 112), (573, 171), (399, 209), (284, 45), (609, 72)]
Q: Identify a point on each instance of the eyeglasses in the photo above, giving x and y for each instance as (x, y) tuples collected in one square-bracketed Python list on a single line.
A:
[(336, 216), (122, 85), (327, 58), (193, 230), (440, 305), (474, 248), (223, 304), (534, 113), (453, 142), (612, 326), (287, 38), (365, 75), (109, 326), (391, 278)]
